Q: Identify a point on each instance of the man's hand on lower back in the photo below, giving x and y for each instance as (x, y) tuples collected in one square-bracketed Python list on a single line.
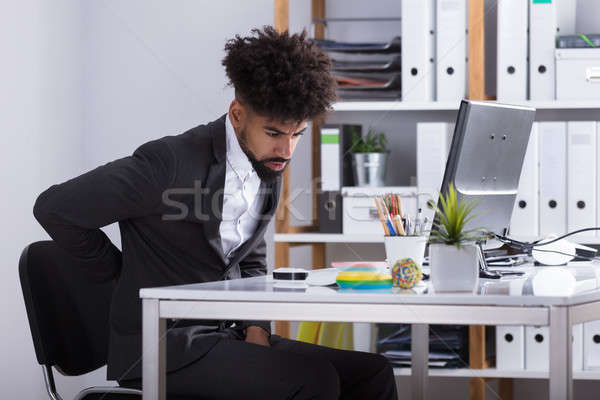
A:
[(257, 335)]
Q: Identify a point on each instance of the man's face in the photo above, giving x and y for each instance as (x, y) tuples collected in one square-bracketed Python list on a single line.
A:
[(269, 144)]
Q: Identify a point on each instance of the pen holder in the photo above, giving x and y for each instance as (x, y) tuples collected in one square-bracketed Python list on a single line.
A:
[(399, 247)]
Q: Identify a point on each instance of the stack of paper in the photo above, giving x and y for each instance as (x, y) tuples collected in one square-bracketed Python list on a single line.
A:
[(366, 70)]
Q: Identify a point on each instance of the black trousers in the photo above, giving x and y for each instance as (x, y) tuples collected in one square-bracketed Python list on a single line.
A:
[(288, 369)]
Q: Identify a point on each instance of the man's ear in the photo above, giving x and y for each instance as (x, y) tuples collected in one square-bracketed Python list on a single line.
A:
[(237, 114)]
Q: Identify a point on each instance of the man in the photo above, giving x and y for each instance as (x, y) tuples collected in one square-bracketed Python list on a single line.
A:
[(194, 208)]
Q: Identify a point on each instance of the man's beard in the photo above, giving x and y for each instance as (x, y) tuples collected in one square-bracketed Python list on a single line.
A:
[(265, 173)]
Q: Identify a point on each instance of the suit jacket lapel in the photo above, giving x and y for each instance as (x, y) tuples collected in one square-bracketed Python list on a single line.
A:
[(212, 197)]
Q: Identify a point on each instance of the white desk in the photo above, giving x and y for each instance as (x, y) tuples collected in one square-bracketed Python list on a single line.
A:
[(260, 299)]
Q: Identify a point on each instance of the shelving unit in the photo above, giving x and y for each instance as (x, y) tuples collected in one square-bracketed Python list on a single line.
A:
[(326, 238), (288, 236), (495, 373), (315, 237), (453, 106)]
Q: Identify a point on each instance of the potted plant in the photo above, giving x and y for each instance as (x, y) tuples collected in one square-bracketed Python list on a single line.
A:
[(453, 249), (369, 158)]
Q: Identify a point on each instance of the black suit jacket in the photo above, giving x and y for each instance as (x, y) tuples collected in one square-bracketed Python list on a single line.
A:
[(168, 199)]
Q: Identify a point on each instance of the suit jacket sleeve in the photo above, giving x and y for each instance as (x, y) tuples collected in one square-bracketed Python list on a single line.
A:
[(73, 212), (255, 264)]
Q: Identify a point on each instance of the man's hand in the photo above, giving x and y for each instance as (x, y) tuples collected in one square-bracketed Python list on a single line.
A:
[(257, 335)]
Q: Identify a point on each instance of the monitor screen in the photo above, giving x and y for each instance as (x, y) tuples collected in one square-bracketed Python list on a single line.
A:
[(485, 160)]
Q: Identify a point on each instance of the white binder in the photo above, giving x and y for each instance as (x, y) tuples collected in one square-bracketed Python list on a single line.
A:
[(566, 17), (362, 336), (542, 36), (577, 355), (537, 346), (591, 345), (598, 176), (581, 179), (525, 216), (510, 347), (451, 49), (553, 177), (330, 159), (512, 50), (433, 144), (418, 39)]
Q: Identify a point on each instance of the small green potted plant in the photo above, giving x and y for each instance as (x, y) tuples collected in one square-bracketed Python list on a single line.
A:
[(369, 158), (453, 249)]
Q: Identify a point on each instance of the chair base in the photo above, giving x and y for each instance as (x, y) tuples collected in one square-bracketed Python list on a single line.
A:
[(108, 393)]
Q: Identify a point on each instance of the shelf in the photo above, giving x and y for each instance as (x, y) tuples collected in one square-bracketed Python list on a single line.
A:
[(327, 238), (364, 238), (395, 106), (495, 373), (453, 106)]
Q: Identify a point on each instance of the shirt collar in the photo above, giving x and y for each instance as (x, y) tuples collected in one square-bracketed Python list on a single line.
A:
[(235, 155)]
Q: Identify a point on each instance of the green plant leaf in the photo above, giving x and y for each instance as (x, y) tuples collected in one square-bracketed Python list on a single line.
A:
[(453, 215), (371, 143), (382, 143)]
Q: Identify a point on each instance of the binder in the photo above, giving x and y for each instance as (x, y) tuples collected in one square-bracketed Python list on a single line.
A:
[(336, 157), (511, 60), (525, 216), (362, 336), (537, 346), (552, 137), (451, 49), (433, 144), (598, 175), (331, 175), (417, 50), (566, 17), (336, 171), (581, 179), (542, 34), (591, 345), (330, 211), (510, 347)]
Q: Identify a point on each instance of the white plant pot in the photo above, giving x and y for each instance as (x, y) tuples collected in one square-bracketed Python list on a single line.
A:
[(454, 270), (399, 247)]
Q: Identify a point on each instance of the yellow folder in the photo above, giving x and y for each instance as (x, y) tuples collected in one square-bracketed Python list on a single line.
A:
[(337, 335)]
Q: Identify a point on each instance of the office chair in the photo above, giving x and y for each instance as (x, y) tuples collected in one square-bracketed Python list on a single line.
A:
[(68, 318)]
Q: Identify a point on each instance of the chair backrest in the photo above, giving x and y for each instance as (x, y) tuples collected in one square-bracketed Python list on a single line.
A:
[(67, 311)]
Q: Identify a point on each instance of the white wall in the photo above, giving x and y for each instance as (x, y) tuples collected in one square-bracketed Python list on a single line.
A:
[(153, 68), (41, 126), (588, 12), (83, 83)]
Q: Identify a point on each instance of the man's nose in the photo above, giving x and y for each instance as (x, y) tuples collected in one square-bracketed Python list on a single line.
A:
[(285, 148)]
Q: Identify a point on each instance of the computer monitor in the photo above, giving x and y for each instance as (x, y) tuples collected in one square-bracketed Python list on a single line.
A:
[(486, 158)]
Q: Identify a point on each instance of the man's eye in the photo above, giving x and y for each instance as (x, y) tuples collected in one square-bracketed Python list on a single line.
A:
[(273, 134)]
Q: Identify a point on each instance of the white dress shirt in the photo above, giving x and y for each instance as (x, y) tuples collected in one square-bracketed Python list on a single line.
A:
[(242, 202)]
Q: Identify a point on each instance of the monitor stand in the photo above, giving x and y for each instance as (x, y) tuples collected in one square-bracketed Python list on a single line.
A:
[(485, 272)]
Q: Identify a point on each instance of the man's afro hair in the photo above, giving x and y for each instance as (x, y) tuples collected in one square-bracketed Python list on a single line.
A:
[(281, 76)]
